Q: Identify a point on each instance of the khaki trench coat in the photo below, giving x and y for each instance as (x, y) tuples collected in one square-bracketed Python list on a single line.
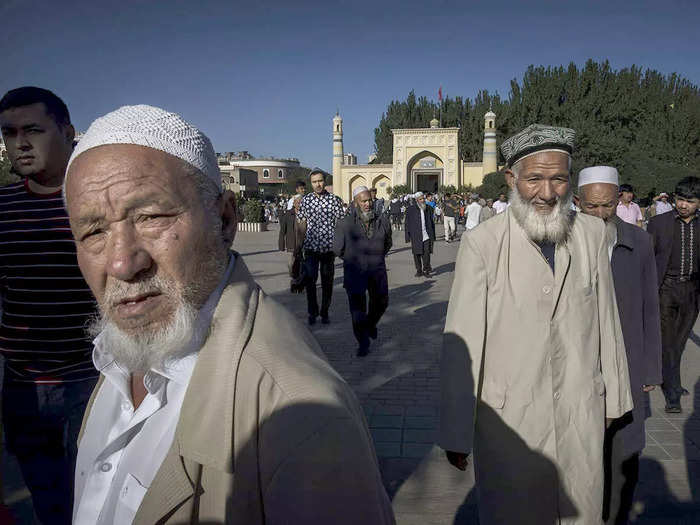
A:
[(268, 431), (532, 364)]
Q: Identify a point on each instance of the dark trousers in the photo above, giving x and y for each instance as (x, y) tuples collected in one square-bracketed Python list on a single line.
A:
[(41, 429), (621, 475), (364, 321), (678, 304), (314, 261), (422, 261)]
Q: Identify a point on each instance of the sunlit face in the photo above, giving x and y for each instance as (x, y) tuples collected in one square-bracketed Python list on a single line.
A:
[(138, 220), (363, 201), (301, 190), (318, 183), (35, 143), (542, 179), (599, 200), (420, 200), (687, 207)]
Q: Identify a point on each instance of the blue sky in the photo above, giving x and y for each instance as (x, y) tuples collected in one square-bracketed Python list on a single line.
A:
[(268, 76)]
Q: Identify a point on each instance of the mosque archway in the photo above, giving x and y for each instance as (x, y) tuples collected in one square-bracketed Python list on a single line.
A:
[(357, 180), (382, 183), (425, 172)]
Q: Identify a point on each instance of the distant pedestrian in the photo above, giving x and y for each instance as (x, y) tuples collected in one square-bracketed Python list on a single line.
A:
[(501, 204), (661, 204), (378, 204), (395, 210), (676, 244), (420, 232), (319, 211), (363, 240), (636, 290), (291, 240), (300, 188), (451, 211), (487, 211), (473, 211), (627, 210)]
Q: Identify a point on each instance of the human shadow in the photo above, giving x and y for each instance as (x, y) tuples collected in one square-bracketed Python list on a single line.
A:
[(444, 268), (514, 482), (691, 433), (655, 503)]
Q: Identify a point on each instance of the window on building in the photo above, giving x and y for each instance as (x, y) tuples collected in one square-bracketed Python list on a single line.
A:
[(266, 174), (490, 123), (337, 127), (280, 174)]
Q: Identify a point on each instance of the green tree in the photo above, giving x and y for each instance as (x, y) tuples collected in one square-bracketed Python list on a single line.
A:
[(493, 185), (7, 176)]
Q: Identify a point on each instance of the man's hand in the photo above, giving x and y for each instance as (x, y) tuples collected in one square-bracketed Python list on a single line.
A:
[(458, 459), (648, 388)]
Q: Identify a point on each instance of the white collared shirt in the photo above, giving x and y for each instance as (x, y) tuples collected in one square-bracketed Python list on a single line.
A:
[(422, 222), (122, 449), (473, 212)]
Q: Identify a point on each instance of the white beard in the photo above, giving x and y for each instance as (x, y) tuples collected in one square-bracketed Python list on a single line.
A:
[(553, 227)]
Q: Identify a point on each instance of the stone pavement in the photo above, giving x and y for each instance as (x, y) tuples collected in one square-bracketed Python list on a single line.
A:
[(398, 385)]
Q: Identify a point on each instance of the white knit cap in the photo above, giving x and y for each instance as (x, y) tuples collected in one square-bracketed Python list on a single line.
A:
[(418, 195), (155, 128), (358, 190), (598, 174)]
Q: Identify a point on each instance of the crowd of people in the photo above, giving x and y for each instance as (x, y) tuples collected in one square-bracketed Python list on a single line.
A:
[(184, 401)]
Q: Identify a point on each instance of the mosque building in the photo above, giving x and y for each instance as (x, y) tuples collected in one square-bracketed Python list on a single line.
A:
[(425, 159)]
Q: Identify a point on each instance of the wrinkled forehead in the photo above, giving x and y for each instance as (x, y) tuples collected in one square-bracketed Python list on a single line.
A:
[(598, 191), (544, 161)]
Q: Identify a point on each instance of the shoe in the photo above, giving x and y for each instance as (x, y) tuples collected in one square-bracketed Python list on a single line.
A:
[(684, 392), (673, 409), (418, 274), (427, 273), (362, 351), (372, 332), (312, 320)]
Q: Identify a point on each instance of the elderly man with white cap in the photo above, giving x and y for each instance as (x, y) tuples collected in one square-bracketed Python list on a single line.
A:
[(363, 240), (634, 276), (204, 413), (420, 232), (533, 362)]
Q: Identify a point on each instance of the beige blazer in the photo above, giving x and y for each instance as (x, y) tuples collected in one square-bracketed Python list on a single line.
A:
[(269, 432), (532, 364)]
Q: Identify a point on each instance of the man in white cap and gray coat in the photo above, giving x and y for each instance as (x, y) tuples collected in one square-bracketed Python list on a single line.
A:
[(533, 363), (203, 413), (363, 240), (634, 275)]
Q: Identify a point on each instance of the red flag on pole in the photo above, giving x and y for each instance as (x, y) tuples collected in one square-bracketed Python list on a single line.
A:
[(440, 94)]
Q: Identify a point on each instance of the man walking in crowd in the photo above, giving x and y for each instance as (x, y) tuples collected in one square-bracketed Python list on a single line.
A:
[(541, 347), (627, 210), (377, 204), (319, 211), (636, 291), (420, 232), (48, 375), (198, 379), (451, 212), (300, 189), (487, 210), (291, 240), (501, 204), (396, 213), (473, 212), (363, 240), (676, 245), (661, 204)]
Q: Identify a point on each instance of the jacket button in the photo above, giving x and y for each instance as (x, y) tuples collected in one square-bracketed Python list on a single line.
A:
[(547, 289), (106, 467), (557, 395)]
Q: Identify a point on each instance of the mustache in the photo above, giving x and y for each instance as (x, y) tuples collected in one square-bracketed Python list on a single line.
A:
[(118, 292)]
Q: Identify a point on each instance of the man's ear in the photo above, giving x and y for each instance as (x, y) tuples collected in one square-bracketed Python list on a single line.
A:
[(510, 179), (69, 134), (229, 218)]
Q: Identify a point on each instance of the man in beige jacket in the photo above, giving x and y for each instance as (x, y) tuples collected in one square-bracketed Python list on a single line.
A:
[(533, 358), (204, 413)]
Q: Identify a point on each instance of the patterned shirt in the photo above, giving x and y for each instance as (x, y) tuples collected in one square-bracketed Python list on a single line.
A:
[(684, 258), (46, 303), (321, 212)]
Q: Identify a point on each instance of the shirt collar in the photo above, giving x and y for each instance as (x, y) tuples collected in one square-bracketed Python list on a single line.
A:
[(678, 216), (179, 370)]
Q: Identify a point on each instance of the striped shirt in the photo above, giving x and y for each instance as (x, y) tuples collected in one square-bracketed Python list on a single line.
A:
[(46, 303)]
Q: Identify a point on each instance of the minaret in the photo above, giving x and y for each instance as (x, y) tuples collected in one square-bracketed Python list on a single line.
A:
[(490, 159), (337, 147)]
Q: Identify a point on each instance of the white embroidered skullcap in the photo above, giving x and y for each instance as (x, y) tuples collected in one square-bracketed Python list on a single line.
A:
[(154, 128), (358, 190), (418, 195), (598, 174)]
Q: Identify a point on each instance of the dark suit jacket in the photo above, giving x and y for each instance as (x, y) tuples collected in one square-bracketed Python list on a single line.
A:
[(291, 238), (661, 229), (363, 258), (414, 230), (636, 290)]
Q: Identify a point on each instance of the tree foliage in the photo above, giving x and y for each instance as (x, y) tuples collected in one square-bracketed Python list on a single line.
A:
[(6, 174), (643, 122)]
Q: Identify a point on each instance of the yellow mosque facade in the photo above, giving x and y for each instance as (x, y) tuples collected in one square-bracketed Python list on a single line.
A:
[(424, 159)]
